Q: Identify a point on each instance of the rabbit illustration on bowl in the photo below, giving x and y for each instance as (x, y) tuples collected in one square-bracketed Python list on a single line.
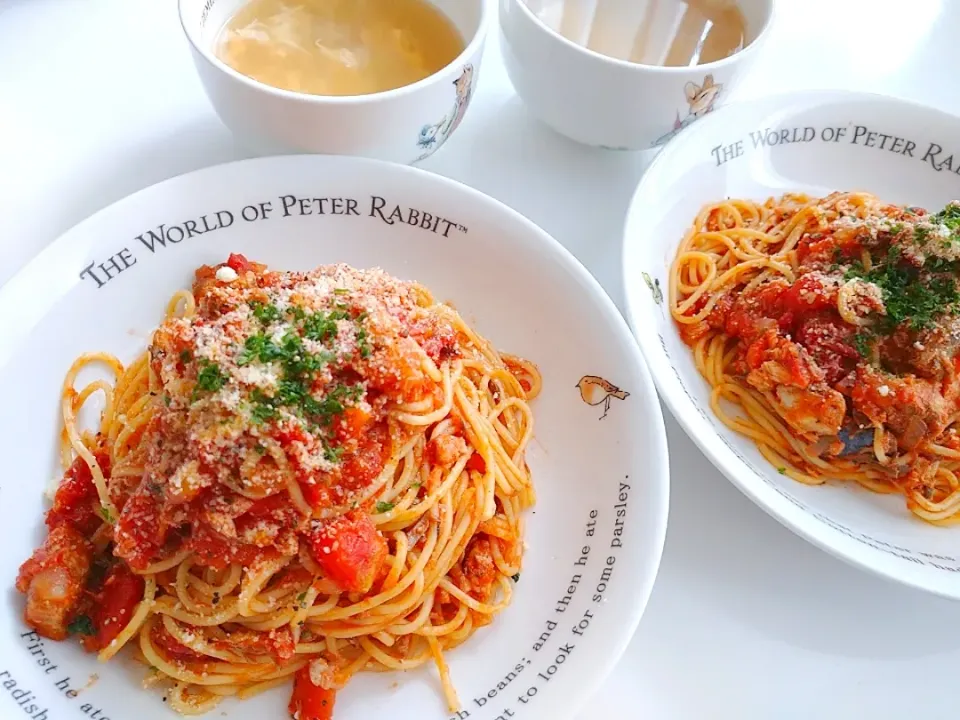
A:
[(433, 136), (701, 99)]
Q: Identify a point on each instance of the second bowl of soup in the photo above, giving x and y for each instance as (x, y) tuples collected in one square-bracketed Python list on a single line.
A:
[(388, 79), (628, 74)]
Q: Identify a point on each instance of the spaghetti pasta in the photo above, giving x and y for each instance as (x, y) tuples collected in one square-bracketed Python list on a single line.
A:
[(307, 475), (829, 331)]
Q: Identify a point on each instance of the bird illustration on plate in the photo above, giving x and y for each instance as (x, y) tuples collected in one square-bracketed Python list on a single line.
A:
[(594, 390)]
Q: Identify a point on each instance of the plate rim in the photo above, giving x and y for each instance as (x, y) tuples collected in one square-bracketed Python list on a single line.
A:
[(704, 435), (24, 283)]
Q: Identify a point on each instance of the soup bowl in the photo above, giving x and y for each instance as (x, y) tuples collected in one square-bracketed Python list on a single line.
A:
[(615, 104), (404, 125)]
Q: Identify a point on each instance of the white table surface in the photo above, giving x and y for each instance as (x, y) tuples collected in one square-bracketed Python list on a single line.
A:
[(98, 98)]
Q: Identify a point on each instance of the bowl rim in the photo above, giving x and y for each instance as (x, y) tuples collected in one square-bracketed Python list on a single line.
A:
[(749, 50), (472, 46), (798, 520)]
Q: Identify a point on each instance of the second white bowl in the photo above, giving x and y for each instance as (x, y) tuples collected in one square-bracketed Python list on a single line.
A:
[(403, 125), (601, 101)]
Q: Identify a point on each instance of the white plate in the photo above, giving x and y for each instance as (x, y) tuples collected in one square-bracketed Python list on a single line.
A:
[(595, 536), (815, 143)]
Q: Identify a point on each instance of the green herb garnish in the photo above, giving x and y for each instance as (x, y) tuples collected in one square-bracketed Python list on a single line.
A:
[(81, 625), (949, 216), (863, 342), (106, 515), (185, 356), (332, 454), (908, 297), (209, 379), (516, 578), (384, 507), (266, 313), (263, 410), (363, 342), (321, 326)]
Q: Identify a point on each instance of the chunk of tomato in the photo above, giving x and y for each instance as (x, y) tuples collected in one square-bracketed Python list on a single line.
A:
[(115, 603), (76, 501), (309, 701), (809, 294), (349, 550), (240, 264), (476, 462), (363, 466)]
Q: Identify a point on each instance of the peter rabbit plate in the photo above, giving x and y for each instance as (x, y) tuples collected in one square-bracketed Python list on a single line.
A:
[(598, 458), (851, 446)]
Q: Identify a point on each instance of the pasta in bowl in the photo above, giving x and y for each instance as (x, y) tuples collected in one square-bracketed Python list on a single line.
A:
[(795, 289)]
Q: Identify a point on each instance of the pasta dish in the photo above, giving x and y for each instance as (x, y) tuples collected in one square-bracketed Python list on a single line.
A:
[(306, 475), (833, 325)]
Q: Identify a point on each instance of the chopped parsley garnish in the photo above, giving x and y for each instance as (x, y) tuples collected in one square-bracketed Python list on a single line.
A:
[(912, 296), (332, 454), (294, 389), (106, 515), (296, 353), (185, 356), (209, 379), (949, 216), (166, 400), (863, 341), (782, 470), (384, 507), (81, 625), (266, 313), (936, 264), (363, 342), (263, 409), (321, 326)]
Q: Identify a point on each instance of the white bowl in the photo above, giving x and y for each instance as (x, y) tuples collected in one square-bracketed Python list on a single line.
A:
[(717, 159), (596, 532), (601, 101), (403, 125)]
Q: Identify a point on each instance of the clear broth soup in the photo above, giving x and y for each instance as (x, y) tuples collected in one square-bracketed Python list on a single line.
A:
[(339, 47), (676, 33)]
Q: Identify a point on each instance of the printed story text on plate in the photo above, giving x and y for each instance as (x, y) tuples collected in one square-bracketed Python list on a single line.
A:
[(591, 571)]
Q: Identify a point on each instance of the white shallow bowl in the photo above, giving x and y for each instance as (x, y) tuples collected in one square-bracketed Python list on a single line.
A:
[(842, 150), (402, 125), (596, 533)]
